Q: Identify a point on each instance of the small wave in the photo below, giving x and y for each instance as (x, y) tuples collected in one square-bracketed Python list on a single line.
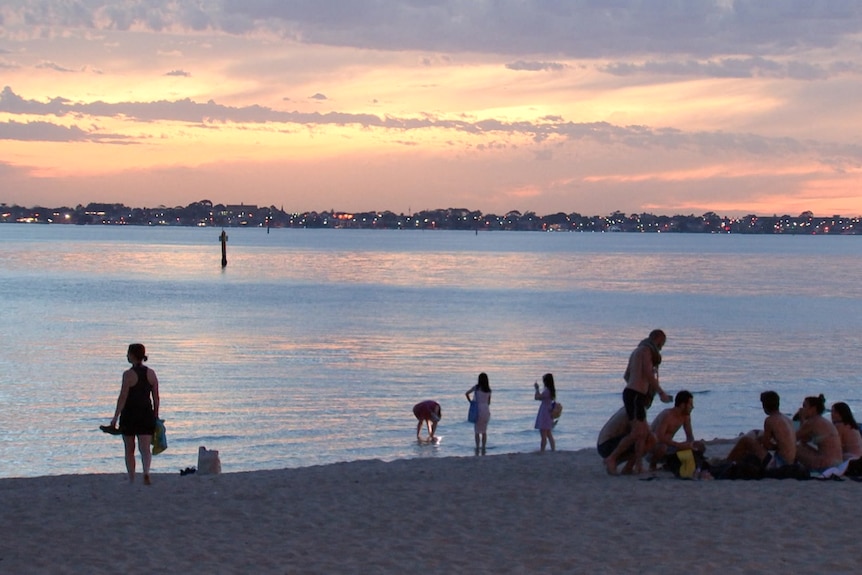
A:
[(203, 439)]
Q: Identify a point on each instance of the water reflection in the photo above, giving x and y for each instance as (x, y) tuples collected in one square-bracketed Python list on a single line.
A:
[(313, 348)]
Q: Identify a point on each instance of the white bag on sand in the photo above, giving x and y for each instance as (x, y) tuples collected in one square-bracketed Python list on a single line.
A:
[(208, 461)]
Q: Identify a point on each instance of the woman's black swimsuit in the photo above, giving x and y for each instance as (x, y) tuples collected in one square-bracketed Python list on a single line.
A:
[(137, 417)]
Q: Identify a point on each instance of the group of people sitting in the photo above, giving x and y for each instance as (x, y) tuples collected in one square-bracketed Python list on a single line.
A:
[(809, 440)]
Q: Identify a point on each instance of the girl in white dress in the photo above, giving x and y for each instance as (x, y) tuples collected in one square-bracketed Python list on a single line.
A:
[(482, 395)]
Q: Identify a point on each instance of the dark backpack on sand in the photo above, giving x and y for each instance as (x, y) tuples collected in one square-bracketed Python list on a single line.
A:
[(854, 468), (792, 471), (749, 468)]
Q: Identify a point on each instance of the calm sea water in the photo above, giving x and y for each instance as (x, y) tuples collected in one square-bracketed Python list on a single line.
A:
[(312, 346)]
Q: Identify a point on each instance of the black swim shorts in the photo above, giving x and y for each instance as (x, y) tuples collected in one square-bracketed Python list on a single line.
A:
[(635, 403), (607, 447)]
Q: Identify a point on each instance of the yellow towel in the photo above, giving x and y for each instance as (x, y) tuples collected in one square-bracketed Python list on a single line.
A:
[(687, 466)]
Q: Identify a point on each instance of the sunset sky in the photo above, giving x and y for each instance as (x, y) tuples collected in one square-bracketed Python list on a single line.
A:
[(588, 106)]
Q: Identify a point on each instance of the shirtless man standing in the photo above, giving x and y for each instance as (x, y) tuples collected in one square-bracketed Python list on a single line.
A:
[(641, 383), (778, 438)]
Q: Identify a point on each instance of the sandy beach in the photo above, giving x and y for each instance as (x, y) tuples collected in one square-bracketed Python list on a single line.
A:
[(515, 513)]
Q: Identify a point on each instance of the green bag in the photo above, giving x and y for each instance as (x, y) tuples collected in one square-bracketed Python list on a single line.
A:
[(160, 437)]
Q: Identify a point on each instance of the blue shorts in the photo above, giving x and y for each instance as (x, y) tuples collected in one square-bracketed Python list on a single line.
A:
[(776, 461)]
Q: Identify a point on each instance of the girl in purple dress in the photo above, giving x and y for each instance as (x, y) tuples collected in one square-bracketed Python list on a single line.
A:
[(544, 420)]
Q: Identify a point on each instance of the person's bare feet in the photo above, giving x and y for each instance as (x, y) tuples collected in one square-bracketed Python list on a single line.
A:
[(610, 466), (147, 480)]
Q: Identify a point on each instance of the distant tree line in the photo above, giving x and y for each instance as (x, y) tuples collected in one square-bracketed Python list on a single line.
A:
[(205, 213)]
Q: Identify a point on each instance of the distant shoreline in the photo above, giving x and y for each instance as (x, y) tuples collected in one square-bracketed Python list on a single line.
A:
[(207, 214)]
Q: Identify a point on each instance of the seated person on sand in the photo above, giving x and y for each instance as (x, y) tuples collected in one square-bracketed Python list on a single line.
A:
[(775, 446), (613, 432), (429, 413), (848, 430), (665, 426), (818, 443)]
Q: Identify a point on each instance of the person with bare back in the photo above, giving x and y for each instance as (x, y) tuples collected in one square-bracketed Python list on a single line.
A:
[(775, 446), (137, 410), (642, 384)]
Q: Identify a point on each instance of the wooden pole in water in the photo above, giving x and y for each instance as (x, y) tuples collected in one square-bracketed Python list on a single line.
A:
[(223, 238)]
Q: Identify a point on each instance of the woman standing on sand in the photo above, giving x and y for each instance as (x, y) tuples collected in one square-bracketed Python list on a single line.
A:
[(544, 420), (136, 411), (848, 430), (819, 446), (482, 396)]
